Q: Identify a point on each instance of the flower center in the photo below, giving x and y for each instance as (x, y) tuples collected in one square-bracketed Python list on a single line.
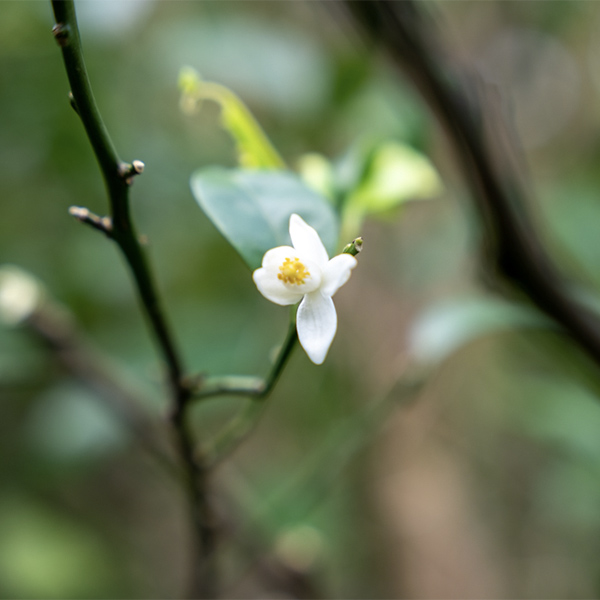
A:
[(293, 271)]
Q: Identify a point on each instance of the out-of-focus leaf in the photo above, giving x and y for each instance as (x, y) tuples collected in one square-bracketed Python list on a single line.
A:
[(567, 491), (352, 168), (376, 177), (254, 149), (111, 19), (395, 174), (69, 425), (445, 327), (560, 412), (252, 209), (44, 556), (318, 174)]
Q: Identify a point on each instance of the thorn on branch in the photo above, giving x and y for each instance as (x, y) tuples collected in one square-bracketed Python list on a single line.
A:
[(129, 171), (85, 215), (61, 32)]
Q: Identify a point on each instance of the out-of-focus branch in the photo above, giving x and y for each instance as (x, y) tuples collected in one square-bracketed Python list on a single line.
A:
[(410, 39), (319, 471), (118, 177), (23, 300)]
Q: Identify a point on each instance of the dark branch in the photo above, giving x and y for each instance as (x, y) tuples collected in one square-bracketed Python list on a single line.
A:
[(118, 177), (409, 38)]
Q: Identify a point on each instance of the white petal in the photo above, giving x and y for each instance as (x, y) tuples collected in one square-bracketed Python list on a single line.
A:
[(273, 289), (307, 241), (336, 273), (316, 323), (275, 256)]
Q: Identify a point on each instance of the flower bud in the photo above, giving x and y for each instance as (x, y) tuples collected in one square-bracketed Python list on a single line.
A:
[(354, 247)]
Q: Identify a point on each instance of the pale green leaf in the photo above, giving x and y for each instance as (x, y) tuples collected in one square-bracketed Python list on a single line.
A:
[(317, 172), (396, 174), (448, 326)]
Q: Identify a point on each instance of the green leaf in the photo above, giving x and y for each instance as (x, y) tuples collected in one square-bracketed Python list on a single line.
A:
[(252, 209)]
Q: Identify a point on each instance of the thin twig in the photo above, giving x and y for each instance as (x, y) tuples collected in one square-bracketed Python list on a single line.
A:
[(118, 177), (85, 215), (513, 247)]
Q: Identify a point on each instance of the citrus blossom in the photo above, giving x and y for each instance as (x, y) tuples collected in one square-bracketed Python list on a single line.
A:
[(304, 273)]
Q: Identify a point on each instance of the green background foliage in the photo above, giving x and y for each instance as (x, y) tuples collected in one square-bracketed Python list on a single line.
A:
[(486, 485)]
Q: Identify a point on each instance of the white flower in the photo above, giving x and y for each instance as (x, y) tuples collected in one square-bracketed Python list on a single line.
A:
[(305, 273)]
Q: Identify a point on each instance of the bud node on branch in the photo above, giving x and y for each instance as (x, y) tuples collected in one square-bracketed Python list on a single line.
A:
[(85, 215), (61, 33), (129, 171)]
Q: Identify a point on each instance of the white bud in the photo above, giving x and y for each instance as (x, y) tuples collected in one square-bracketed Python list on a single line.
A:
[(20, 294)]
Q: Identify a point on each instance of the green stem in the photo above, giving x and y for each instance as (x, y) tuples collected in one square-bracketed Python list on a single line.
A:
[(255, 389), (118, 177), (283, 356)]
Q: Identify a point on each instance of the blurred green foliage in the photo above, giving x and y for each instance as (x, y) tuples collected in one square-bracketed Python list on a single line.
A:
[(510, 413)]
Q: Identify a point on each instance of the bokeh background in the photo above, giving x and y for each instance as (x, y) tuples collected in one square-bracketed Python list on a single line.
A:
[(479, 478)]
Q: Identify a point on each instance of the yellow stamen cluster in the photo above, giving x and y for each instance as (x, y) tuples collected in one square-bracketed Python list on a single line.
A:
[(293, 271)]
